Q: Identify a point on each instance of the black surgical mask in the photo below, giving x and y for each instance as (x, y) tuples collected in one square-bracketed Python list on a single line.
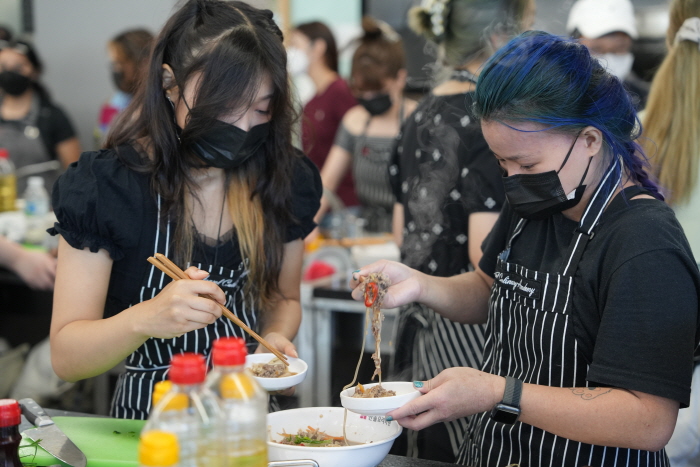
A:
[(118, 80), (226, 146), (13, 83), (376, 105), (538, 196)]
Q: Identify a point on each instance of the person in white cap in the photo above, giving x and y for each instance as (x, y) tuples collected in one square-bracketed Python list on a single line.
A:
[(607, 28)]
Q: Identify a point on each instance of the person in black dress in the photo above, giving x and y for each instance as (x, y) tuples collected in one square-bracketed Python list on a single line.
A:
[(449, 192), (587, 284), (200, 168)]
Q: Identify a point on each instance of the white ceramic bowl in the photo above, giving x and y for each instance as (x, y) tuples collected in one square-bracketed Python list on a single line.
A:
[(296, 365), (405, 392), (377, 434)]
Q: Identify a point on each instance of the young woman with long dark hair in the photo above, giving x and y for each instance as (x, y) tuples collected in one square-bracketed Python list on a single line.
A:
[(587, 284), (200, 167)]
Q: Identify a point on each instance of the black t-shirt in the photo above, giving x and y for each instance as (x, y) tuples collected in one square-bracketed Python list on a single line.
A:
[(53, 124), (100, 203), (636, 292), (442, 171), (54, 127)]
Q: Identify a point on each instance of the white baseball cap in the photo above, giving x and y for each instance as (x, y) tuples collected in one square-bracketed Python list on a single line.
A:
[(596, 18)]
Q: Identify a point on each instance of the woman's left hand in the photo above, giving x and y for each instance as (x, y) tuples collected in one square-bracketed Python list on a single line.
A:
[(454, 393), (284, 345)]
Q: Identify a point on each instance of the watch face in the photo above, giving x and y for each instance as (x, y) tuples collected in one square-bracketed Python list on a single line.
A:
[(505, 414)]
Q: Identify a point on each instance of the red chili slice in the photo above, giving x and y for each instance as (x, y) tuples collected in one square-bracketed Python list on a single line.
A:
[(371, 292)]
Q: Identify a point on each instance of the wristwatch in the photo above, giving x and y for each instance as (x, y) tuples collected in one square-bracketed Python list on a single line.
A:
[(508, 410)]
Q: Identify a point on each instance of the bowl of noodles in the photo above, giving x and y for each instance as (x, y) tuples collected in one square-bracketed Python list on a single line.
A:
[(272, 374), (317, 433), (392, 396)]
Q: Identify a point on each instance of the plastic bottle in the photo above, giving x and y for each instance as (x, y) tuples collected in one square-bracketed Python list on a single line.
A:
[(10, 417), (244, 404), (189, 411), (36, 208), (158, 449), (8, 182)]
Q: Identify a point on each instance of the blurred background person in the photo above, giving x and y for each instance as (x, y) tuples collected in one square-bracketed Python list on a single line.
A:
[(128, 54), (368, 131), (32, 128), (670, 123), (448, 192), (608, 28), (313, 52), (5, 33)]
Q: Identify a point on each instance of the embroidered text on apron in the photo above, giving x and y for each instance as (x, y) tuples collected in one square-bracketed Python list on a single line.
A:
[(150, 362), (530, 337), (23, 141)]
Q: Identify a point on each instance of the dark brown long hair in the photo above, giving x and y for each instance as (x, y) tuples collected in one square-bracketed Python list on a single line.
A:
[(315, 31), (232, 47)]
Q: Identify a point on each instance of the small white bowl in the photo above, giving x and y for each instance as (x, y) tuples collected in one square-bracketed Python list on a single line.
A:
[(405, 392), (296, 365), (377, 434)]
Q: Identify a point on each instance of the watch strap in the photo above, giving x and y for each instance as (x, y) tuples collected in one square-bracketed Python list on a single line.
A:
[(513, 392)]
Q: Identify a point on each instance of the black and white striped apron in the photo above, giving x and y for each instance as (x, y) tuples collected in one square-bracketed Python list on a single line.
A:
[(530, 336), (150, 362)]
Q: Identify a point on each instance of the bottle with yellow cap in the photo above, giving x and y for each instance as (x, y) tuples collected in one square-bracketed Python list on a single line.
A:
[(244, 404), (158, 449), (181, 406)]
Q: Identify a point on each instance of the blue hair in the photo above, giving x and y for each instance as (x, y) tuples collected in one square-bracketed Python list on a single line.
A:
[(541, 78)]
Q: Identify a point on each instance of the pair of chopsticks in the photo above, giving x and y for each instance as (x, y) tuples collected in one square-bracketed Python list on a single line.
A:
[(175, 273)]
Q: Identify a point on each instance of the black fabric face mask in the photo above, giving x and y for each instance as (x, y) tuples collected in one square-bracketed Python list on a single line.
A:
[(14, 83), (226, 146), (376, 105), (118, 80), (538, 196)]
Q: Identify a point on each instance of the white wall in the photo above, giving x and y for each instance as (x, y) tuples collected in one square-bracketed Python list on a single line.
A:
[(11, 15), (71, 38)]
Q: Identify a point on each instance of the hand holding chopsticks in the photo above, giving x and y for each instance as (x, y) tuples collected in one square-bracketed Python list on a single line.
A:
[(175, 273)]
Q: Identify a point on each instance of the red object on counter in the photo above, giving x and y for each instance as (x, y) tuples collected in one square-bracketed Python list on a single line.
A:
[(317, 270), (10, 418)]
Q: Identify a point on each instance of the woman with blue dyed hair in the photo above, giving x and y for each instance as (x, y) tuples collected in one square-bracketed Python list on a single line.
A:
[(587, 284)]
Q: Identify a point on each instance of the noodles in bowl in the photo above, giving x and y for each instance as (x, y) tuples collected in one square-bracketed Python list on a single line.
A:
[(370, 438)]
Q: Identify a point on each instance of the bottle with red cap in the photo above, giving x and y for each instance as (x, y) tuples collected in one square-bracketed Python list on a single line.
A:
[(190, 412), (10, 418), (244, 404)]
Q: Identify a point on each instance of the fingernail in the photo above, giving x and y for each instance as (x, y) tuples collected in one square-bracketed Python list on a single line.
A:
[(418, 384), (354, 275), (389, 418), (295, 354)]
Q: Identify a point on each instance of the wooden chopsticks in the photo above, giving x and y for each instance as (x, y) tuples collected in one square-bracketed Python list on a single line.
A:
[(175, 273)]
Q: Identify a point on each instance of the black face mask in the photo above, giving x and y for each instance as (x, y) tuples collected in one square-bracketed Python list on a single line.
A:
[(226, 146), (14, 83), (538, 196), (118, 80), (376, 105)]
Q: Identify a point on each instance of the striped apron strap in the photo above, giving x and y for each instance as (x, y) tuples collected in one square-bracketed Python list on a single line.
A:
[(584, 232)]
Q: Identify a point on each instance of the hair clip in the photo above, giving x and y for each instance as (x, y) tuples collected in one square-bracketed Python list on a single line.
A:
[(689, 31)]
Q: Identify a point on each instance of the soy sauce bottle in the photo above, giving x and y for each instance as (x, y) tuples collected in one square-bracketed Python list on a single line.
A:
[(10, 418)]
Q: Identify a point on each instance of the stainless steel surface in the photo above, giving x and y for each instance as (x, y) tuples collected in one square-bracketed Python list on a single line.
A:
[(49, 436)]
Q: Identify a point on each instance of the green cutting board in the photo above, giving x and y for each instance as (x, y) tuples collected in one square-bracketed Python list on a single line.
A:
[(106, 442)]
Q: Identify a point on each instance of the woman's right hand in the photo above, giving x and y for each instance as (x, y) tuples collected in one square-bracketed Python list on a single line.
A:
[(179, 308), (406, 284)]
